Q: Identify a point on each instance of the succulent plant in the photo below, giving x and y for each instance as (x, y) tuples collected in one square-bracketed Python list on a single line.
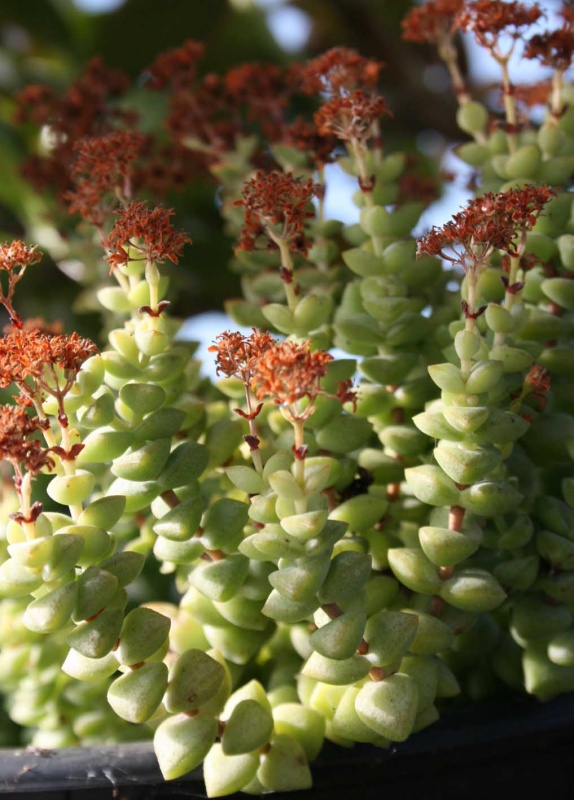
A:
[(308, 547)]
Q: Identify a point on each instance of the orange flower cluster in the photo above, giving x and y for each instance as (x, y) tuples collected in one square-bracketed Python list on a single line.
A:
[(28, 359), (490, 222), (554, 48), (351, 117), (279, 204), (101, 173), (289, 371), (16, 446), (15, 257), (178, 67), (432, 21), (237, 354), (144, 234), (84, 110), (487, 19), (338, 71)]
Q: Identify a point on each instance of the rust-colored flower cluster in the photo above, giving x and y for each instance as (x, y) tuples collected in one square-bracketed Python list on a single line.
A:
[(16, 445), (144, 234), (337, 72), (289, 371), (487, 19), (178, 67), (491, 222), (39, 363), (351, 117), (277, 206), (432, 21), (237, 354), (101, 173), (84, 110), (15, 257), (554, 48)]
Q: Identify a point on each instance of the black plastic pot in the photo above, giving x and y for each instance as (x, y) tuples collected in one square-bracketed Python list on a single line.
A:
[(502, 749)]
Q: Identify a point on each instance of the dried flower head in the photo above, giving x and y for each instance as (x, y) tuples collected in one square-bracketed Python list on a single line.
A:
[(554, 48), (487, 19), (289, 371), (432, 21), (41, 363), (488, 223), (534, 94), (143, 234), (277, 205), (15, 257), (236, 353), (101, 173), (16, 445), (260, 93), (338, 71), (305, 136), (178, 67), (351, 118), (88, 108)]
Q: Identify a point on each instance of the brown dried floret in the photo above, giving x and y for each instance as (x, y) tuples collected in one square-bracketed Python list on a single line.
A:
[(352, 117), (491, 222), (145, 234), (278, 205), (289, 371)]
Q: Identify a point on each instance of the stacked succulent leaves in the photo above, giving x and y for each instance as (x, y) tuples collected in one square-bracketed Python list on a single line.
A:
[(333, 540)]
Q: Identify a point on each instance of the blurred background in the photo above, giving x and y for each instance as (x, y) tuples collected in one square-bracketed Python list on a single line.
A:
[(49, 41)]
